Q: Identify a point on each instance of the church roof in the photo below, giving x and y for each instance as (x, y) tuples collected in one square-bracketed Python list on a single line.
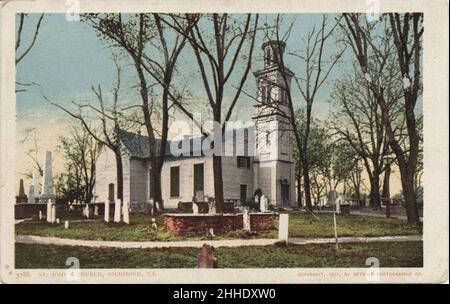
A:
[(137, 144)]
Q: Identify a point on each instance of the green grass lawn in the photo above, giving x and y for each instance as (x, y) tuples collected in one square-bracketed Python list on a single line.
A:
[(300, 225), (397, 254)]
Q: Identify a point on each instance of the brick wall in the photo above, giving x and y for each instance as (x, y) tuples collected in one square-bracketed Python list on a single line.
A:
[(188, 224)]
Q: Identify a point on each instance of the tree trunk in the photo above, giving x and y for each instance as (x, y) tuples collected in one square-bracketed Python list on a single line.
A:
[(299, 191), (386, 189), (155, 188), (412, 210), (307, 185), (218, 183), (375, 191), (119, 171)]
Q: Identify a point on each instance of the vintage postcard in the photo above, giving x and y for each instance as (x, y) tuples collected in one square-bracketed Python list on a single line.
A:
[(224, 141)]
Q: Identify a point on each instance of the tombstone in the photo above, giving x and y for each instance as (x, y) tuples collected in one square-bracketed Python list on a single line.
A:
[(246, 220), (66, 224), (106, 215), (205, 258), (40, 215), (96, 211), (212, 207), (256, 199), (117, 207), (194, 208), (332, 196), (21, 198), (264, 203), (57, 221), (199, 196), (47, 184), (154, 225), (32, 191), (53, 218), (49, 211), (338, 206), (210, 233), (283, 228), (88, 211), (126, 213), (150, 202)]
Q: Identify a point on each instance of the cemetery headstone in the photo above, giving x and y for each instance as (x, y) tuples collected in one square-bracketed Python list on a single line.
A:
[(53, 213), (66, 224), (47, 184), (32, 191), (154, 225), (88, 211), (194, 208), (57, 220), (205, 258), (246, 219), (283, 228), (40, 215), (96, 211), (117, 207), (126, 213), (212, 207), (49, 211), (106, 215), (264, 202), (21, 198)]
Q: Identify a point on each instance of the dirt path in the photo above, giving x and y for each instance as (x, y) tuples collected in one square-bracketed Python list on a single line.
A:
[(31, 239)]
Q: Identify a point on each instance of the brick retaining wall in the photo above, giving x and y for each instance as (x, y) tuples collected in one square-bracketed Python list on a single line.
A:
[(189, 224)]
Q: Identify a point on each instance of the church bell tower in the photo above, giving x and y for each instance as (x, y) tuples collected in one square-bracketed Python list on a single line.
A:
[(273, 166)]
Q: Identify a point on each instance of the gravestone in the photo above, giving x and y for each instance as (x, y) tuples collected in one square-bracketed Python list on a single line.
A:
[(40, 215), (264, 203), (212, 207), (66, 225), (47, 184), (338, 205), (117, 207), (283, 228), (126, 213), (332, 196), (88, 211), (57, 221), (151, 202), (154, 225), (205, 258), (21, 198), (96, 211), (53, 213), (194, 208), (106, 215), (48, 216), (32, 191), (246, 220)]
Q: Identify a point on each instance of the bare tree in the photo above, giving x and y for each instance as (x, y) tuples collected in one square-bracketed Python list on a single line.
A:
[(25, 48), (134, 34), (111, 119), (33, 152), (405, 32), (80, 151), (21, 49), (359, 121), (217, 57)]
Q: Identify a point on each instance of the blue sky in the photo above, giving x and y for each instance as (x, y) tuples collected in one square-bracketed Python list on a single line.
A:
[(68, 58)]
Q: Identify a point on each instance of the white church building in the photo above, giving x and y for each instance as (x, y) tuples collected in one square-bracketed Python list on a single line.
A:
[(268, 171)]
